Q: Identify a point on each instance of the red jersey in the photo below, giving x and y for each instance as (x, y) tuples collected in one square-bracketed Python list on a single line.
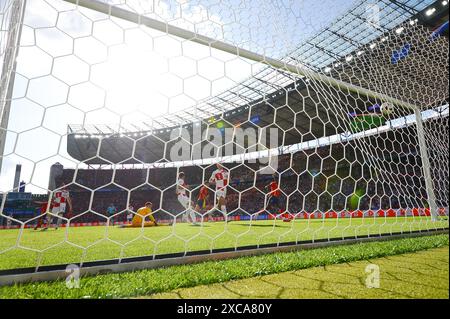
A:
[(203, 193), (274, 190)]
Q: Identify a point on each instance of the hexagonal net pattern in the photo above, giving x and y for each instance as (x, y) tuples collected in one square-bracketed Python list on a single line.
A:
[(173, 127)]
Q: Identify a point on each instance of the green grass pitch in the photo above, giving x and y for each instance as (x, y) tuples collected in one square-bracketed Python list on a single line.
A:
[(29, 248)]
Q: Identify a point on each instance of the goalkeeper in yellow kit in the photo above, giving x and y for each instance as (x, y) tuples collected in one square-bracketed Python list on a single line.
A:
[(141, 214)]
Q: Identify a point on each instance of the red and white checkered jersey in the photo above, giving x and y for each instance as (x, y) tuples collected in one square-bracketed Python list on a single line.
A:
[(220, 178), (181, 190), (60, 197)]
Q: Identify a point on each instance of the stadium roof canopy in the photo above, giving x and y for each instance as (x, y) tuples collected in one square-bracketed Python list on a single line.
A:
[(345, 36)]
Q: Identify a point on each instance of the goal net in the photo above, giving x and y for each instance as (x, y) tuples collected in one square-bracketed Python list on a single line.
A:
[(135, 128)]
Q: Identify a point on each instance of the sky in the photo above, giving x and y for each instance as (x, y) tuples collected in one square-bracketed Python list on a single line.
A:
[(77, 66)]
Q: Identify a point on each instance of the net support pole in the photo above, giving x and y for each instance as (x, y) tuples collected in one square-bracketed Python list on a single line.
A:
[(431, 197), (127, 15), (9, 68)]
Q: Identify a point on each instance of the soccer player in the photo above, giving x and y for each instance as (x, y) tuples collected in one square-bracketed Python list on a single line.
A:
[(141, 214), (183, 199), (111, 211), (220, 177), (61, 199), (130, 213), (43, 209), (202, 198)]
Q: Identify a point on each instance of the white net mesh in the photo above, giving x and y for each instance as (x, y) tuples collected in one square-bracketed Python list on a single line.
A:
[(337, 131)]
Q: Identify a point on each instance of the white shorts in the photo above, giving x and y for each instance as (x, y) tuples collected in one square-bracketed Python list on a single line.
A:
[(221, 193), (184, 200)]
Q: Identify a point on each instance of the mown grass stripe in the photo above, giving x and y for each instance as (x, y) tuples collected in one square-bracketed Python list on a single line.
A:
[(151, 281)]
